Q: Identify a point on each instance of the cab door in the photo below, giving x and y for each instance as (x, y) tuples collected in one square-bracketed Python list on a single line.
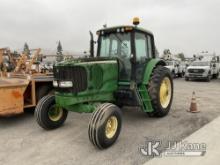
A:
[(143, 44)]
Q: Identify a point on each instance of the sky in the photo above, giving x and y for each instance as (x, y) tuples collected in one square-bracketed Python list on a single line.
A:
[(188, 26)]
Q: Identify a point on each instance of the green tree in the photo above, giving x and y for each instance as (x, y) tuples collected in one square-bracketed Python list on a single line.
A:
[(59, 52), (181, 56), (26, 49)]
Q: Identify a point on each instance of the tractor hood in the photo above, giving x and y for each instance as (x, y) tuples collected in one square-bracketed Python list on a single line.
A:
[(83, 80), (87, 61)]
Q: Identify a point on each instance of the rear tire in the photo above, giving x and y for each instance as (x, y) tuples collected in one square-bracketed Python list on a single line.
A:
[(180, 75), (161, 97), (105, 125), (215, 76), (49, 116), (173, 74), (208, 78)]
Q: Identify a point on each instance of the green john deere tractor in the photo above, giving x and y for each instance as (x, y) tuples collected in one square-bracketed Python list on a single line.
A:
[(125, 72)]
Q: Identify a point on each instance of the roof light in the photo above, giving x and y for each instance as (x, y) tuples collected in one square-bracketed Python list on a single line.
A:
[(136, 21)]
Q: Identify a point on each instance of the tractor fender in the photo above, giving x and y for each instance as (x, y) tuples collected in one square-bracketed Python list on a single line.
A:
[(150, 67)]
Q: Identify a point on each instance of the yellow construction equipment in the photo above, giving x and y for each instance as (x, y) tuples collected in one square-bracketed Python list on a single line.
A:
[(23, 87)]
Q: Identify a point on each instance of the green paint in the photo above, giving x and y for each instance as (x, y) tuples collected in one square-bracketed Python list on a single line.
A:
[(82, 108), (124, 83), (149, 69)]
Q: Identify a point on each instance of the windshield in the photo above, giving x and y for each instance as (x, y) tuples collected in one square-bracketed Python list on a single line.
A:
[(169, 63), (200, 63), (115, 44)]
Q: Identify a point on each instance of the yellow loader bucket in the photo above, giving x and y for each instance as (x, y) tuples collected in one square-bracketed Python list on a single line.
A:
[(11, 96)]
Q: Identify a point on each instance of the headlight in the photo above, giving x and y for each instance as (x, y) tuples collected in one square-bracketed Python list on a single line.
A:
[(55, 83), (66, 84)]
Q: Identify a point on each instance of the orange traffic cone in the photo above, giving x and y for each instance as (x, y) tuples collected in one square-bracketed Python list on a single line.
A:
[(193, 105)]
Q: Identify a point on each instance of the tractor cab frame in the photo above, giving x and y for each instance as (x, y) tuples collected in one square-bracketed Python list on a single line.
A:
[(132, 46)]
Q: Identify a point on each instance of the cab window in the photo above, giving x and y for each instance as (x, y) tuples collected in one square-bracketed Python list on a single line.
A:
[(140, 46), (116, 44)]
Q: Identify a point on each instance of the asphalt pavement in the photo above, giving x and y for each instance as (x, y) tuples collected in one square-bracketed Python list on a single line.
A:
[(23, 142)]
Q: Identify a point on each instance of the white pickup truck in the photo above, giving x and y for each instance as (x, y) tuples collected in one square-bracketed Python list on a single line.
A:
[(176, 68), (202, 70)]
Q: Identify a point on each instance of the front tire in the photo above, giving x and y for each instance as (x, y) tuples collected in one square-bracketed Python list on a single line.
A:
[(187, 78), (105, 125), (173, 74), (161, 91), (48, 115), (180, 75), (215, 76), (208, 79)]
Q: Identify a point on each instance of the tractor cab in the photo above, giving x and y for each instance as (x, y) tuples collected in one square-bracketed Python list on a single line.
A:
[(130, 45)]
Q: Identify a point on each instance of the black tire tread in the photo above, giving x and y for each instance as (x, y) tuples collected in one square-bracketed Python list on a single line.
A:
[(96, 116), (153, 91), (94, 123), (42, 104)]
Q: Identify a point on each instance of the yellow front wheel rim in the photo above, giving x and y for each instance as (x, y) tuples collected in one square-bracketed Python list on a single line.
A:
[(165, 92), (55, 113), (111, 127)]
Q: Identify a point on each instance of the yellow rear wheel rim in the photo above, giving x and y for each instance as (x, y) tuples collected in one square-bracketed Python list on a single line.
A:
[(111, 127), (55, 113), (165, 92)]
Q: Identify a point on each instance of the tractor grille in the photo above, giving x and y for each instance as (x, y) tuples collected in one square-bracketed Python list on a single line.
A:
[(76, 74), (196, 70)]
